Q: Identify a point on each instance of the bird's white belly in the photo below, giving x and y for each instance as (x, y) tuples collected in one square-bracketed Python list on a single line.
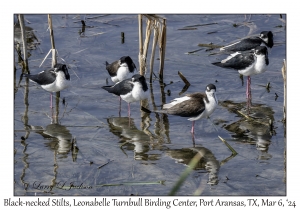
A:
[(136, 94), (59, 84), (258, 67), (128, 97), (122, 74), (209, 109)]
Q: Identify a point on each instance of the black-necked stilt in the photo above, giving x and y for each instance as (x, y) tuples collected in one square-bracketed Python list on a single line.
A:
[(121, 69), (130, 90), (195, 106), (247, 64), (265, 37), (52, 80)]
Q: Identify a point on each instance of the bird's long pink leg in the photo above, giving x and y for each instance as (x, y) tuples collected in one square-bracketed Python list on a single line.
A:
[(51, 100), (120, 107), (193, 129), (248, 92), (128, 109), (51, 105)]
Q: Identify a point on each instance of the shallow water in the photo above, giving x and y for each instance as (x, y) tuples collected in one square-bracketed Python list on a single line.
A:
[(148, 148)]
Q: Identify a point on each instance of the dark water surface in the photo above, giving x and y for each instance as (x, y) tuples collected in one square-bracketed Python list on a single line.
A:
[(155, 147)]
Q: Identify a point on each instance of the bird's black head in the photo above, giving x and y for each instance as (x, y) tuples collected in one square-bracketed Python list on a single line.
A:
[(262, 50), (211, 87), (267, 37), (128, 60), (141, 79), (62, 67)]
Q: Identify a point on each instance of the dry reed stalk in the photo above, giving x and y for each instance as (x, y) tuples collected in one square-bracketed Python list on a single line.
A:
[(158, 24), (140, 17), (154, 43), (147, 38), (162, 49), (145, 49), (283, 70), (25, 54), (54, 60), (153, 23), (54, 57)]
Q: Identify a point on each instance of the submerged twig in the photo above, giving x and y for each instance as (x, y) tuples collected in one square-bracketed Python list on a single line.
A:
[(105, 164), (191, 52), (187, 29), (183, 79), (250, 118), (227, 159), (211, 46), (184, 89), (205, 24)]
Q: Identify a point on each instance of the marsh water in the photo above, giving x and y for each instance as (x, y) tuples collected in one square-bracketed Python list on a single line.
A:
[(84, 142)]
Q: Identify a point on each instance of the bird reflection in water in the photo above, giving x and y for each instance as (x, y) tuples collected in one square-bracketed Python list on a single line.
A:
[(256, 129), (207, 163), (131, 137), (31, 38), (59, 136)]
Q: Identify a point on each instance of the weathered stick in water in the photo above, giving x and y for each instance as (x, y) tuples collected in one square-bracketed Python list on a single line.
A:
[(211, 46), (183, 79), (225, 142), (105, 164)]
